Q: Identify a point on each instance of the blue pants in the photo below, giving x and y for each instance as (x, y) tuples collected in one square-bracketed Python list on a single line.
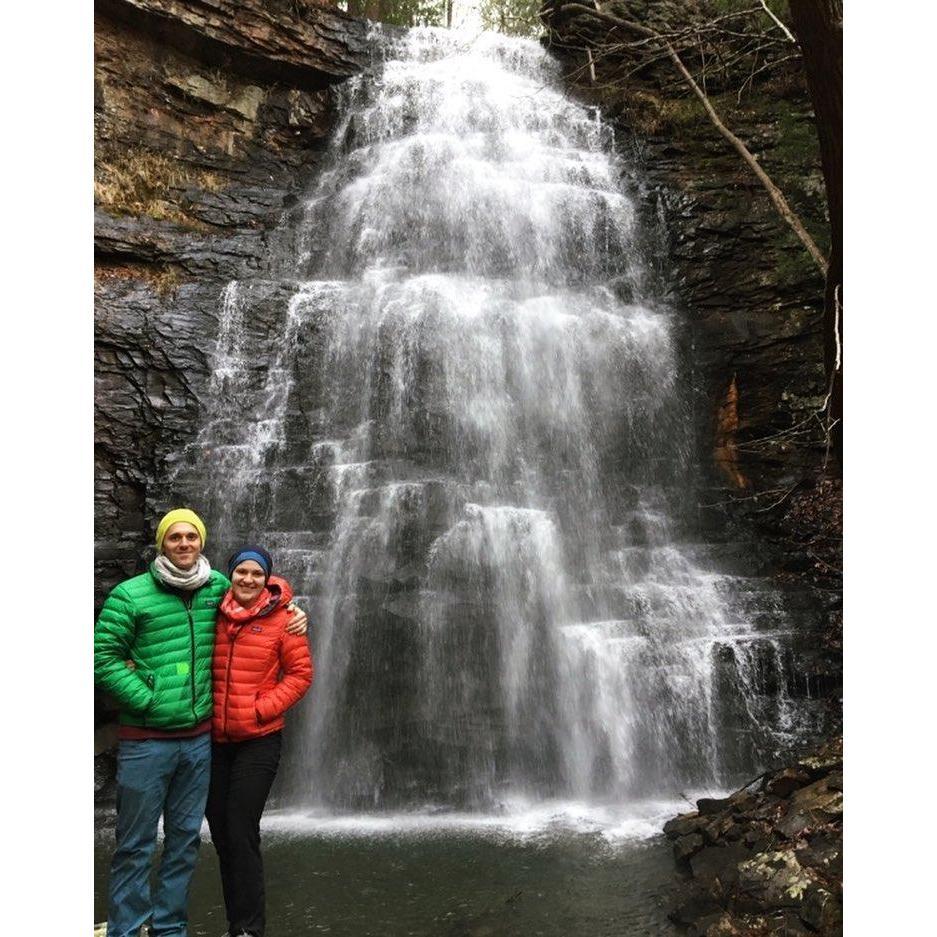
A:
[(154, 777)]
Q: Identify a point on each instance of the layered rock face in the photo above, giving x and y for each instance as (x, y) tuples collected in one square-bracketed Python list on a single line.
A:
[(765, 861), (750, 296), (209, 118)]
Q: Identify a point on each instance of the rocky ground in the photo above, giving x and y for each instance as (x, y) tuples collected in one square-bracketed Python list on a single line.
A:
[(768, 859)]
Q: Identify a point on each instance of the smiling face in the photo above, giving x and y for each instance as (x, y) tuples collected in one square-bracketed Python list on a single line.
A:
[(247, 582), (182, 545)]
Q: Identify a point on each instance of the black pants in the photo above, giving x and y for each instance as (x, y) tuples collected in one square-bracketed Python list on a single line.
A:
[(241, 776)]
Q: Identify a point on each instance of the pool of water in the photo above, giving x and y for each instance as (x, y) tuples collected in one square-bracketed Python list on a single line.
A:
[(445, 876)]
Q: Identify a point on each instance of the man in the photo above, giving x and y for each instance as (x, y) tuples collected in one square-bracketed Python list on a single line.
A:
[(153, 645)]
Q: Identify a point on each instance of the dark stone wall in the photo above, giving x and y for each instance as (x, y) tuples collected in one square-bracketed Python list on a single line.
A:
[(209, 119), (749, 297), (751, 300), (206, 133)]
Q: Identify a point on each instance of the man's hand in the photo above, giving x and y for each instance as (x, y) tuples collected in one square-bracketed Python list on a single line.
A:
[(299, 620)]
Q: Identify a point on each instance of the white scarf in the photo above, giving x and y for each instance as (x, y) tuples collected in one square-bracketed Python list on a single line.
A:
[(188, 580)]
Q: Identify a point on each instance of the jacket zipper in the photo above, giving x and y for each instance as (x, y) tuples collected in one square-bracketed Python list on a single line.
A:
[(227, 678), (188, 611), (227, 684)]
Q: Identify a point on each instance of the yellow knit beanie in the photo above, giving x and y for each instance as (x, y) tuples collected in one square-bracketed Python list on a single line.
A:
[(179, 516)]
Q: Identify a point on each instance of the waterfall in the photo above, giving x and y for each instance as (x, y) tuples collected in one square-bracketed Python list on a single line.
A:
[(452, 409)]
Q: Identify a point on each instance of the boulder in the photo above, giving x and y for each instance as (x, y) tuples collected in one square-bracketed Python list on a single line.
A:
[(772, 881), (695, 908), (707, 806), (687, 846), (822, 911), (786, 781), (825, 759), (683, 825), (718, 864), (813, 806)]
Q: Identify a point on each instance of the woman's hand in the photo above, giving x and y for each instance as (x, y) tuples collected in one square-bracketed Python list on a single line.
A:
[(299, 620)]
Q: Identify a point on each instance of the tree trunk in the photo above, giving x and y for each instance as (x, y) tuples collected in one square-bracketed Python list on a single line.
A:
[(818, 25)]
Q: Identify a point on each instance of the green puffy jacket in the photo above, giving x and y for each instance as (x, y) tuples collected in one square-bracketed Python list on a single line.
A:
[(170, 636)]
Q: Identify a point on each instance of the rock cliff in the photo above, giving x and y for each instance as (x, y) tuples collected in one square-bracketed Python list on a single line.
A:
[(749, 295), (209, 118), (764, 861)]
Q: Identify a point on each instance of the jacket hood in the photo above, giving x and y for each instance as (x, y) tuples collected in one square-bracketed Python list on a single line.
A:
[(281, 592)]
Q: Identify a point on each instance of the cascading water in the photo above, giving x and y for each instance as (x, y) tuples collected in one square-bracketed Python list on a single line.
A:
[(465, 445)]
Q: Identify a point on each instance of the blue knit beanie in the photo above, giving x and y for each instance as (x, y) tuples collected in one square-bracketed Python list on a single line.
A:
[(251, 551)]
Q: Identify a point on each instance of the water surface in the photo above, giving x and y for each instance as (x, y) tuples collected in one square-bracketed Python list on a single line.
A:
[(421, 881)]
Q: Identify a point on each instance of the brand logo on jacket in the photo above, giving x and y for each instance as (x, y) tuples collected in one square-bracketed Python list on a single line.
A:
[(256, 629)]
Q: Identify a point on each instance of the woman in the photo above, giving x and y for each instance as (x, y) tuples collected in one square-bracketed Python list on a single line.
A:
[(259, 671)]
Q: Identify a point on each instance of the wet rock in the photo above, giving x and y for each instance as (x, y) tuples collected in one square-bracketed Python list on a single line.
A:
[(787, 781), (304, 44), (789, 925), (210, 119), (766, 861), (719, 864), (825, 760), (683, 825), (687, 846), (743, 801), (813, 806), (698, 907), (164, 242), (824, 853), (772, 880), (822, 911), (238, 206), (722, 925), (723, 827), (757, 837), (707, 806)]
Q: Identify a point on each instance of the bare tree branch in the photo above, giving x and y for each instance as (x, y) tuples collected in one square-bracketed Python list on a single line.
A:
[(784, 29), (774, 193)]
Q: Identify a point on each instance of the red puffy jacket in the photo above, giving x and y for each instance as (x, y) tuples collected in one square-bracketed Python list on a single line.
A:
[(258, 669)]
